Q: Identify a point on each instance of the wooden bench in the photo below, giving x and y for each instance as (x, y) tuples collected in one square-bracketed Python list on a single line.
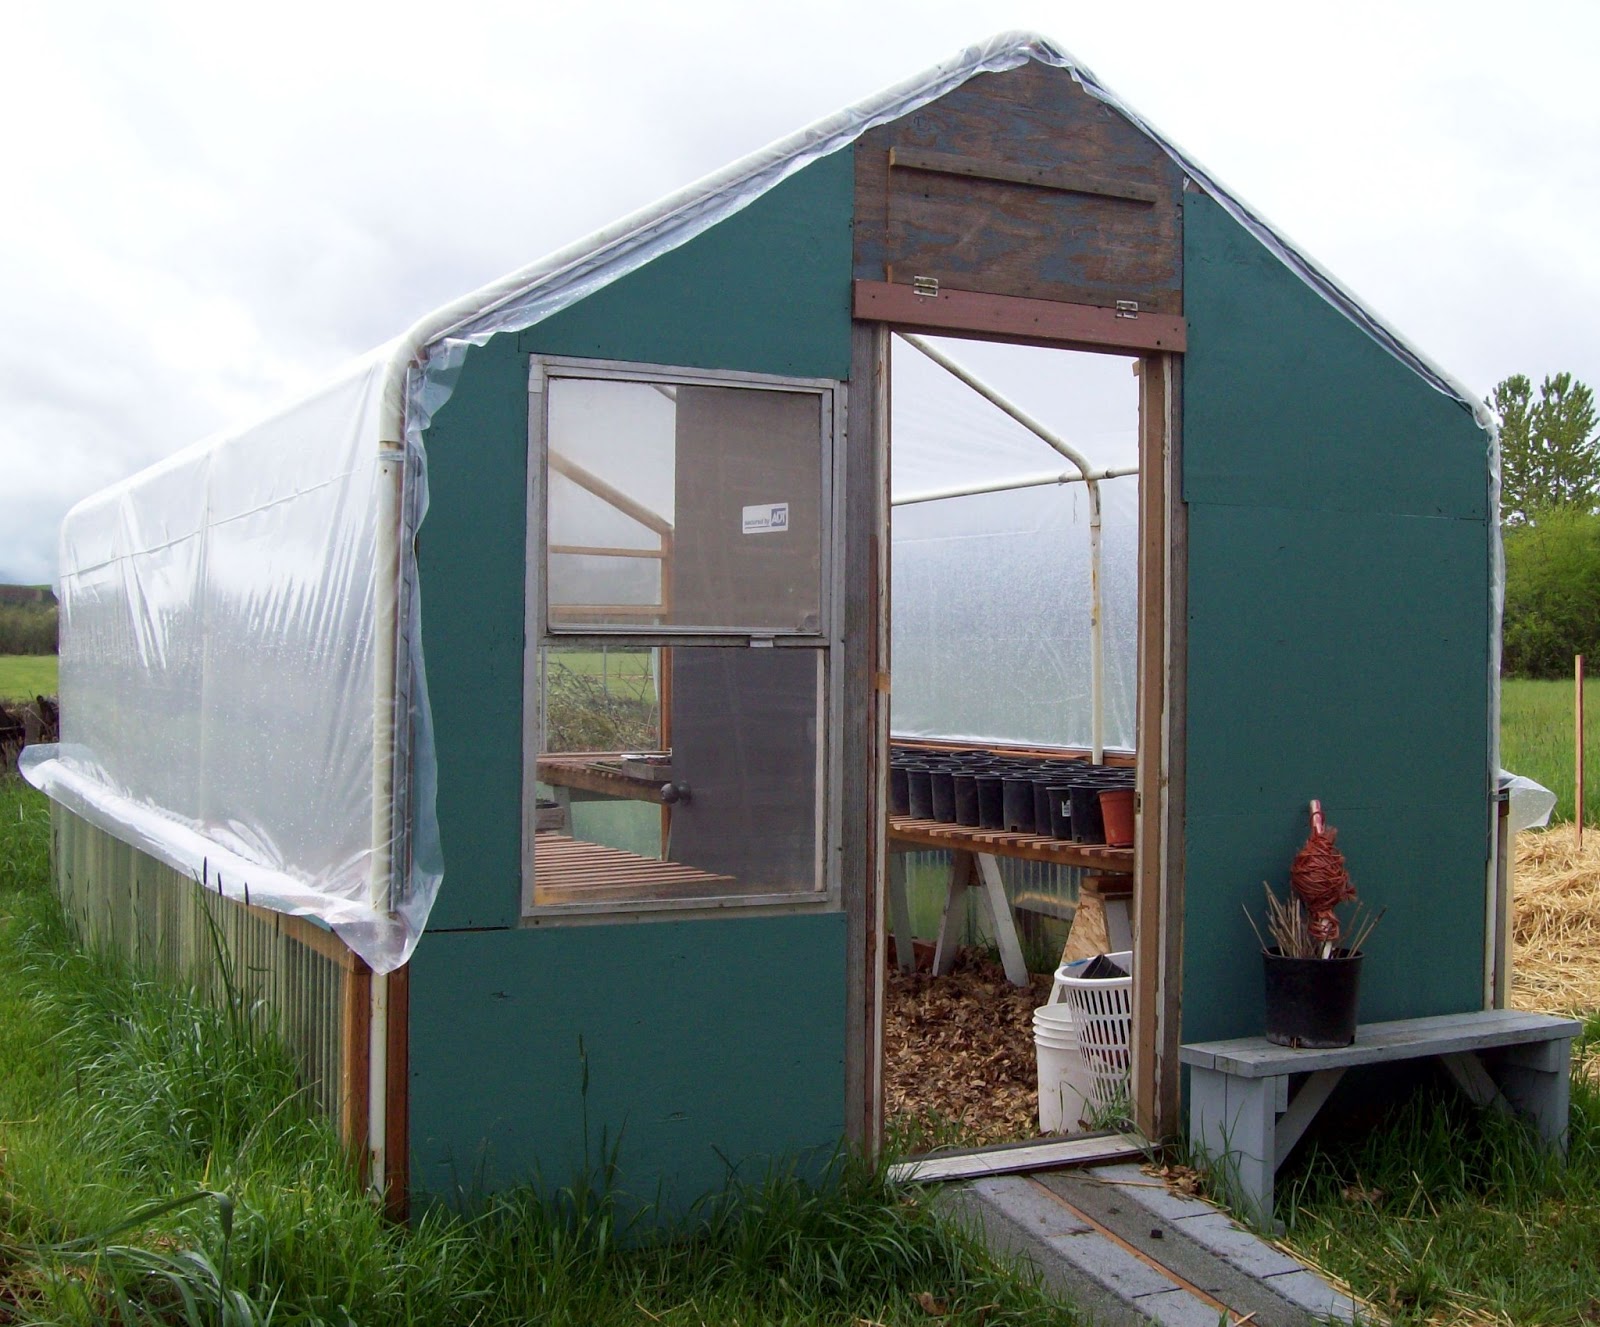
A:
[(1245, 1120)]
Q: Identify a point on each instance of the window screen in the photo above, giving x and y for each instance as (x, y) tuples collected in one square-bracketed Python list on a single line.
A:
[(684, 506)]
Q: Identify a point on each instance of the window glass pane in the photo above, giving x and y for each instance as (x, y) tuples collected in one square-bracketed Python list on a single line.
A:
[(683, 506), (709, 791)]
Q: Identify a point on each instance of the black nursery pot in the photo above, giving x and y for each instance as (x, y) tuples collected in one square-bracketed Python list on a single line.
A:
[(1312, 1002), (899, 790)]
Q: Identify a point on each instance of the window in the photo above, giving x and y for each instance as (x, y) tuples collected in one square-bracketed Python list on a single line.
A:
[(679, 688)]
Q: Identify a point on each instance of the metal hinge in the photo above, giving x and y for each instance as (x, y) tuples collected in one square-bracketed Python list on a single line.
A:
[(1127, 308), (925, 285)]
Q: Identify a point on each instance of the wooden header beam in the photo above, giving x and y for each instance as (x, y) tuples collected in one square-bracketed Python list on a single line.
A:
[(1010, 318)]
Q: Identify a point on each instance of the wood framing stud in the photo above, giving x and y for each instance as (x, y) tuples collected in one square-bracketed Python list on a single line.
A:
[(1065, 179), (1011, 318)]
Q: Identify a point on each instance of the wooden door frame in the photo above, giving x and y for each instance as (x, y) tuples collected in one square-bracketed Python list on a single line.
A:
[(1158, 880)]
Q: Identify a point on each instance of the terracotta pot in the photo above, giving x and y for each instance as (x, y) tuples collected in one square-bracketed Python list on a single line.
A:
[(1116, 811)]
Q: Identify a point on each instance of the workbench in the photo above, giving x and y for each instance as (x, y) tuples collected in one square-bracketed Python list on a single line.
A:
[(974, 864)]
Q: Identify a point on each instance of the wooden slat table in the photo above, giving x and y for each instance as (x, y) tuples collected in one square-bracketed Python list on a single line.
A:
[(569, 870), (1242, 1116), (974, 865), (598, 773)]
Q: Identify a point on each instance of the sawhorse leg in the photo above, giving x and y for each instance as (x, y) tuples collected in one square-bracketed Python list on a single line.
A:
[(970, 870), (900, 915)]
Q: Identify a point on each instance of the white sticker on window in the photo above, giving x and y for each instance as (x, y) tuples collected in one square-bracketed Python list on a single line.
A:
[(768, 518)]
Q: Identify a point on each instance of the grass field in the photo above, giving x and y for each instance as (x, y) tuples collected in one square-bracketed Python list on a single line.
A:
[(1536, 740), (23, 676)]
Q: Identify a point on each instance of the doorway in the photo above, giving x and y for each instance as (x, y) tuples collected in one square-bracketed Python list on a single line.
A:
[(1025, 615)]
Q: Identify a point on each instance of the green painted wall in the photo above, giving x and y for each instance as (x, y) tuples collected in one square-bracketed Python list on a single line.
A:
[(697, 1038), (1338, 562), (725, 1033)]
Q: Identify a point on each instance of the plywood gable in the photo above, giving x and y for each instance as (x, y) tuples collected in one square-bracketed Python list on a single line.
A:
[(1021, 184)]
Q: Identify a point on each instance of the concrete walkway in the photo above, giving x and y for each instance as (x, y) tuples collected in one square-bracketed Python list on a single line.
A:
[(1129, 1251)]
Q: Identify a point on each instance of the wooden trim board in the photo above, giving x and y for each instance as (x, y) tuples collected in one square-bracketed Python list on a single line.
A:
[(1045, 1155), (909, 833), (1011, 317)]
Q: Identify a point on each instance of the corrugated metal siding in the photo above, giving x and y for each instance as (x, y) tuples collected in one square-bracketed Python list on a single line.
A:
[(127, 903)]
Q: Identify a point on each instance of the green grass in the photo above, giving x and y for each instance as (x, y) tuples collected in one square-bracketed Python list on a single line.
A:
[(1435, 1212), (1537, 739), (24, 676), (158, 1166)]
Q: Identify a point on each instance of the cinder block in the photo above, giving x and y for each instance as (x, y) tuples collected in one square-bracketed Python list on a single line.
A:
[(1310, 1292), (1025, 1204), (1112, 1266), (1178, 1308), (1238, 1246)]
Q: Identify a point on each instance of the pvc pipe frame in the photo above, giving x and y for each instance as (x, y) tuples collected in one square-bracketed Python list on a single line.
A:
[(1086, 474)]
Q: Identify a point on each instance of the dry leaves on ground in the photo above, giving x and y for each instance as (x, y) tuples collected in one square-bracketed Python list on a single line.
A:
[(960, 1047)]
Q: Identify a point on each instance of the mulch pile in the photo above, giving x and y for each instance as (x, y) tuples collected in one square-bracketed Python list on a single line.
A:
[(959, 1049)]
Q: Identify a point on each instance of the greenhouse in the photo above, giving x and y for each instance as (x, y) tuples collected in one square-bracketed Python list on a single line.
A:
[(525, 707)]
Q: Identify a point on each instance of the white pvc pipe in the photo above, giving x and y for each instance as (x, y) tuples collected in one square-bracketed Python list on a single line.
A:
[(385, 716), (1091, 480), (1007, 485)]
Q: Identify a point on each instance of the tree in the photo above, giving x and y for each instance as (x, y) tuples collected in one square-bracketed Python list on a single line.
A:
[(1549, 448), (1552, 609)]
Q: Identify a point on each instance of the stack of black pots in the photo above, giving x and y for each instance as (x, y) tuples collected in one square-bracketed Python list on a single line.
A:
[(985, 790)]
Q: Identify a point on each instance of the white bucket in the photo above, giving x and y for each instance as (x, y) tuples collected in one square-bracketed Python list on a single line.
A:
[(1065, 1084)]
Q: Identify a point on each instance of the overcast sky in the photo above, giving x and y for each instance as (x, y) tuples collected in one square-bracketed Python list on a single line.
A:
[(208, 207)]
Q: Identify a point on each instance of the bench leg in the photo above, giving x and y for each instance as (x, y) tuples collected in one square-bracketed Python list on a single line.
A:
[(900, 915), (1232, 1122), (1537, 1080)]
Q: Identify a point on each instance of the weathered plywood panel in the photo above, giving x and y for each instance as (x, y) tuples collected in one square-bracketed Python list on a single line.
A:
[(1020, 183), (685, 1046)]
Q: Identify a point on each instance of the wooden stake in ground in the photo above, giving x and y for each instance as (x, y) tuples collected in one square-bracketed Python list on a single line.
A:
[(1577, 755)]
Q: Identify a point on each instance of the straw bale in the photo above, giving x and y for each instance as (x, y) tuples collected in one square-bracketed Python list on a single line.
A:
[(1555, 928)]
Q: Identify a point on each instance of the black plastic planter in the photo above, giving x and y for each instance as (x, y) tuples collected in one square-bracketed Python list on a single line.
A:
[(966, 788), (899, 791), (942, 788), (1312, 1002), (991, 801), (1017, 804), (919, 795), (1087, 826)]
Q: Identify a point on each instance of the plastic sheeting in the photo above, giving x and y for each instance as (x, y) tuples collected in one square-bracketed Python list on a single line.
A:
[(220, 662), (1531, 803), (218, 668), (990, 624)]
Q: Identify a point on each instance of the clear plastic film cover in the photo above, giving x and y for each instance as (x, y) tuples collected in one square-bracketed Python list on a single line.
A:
[(218, 669)]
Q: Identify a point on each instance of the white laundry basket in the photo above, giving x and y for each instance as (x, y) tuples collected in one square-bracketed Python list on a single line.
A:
[(1102, 1023)]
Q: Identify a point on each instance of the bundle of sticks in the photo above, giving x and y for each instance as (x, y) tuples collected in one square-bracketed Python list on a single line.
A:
[(1306, 925)]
